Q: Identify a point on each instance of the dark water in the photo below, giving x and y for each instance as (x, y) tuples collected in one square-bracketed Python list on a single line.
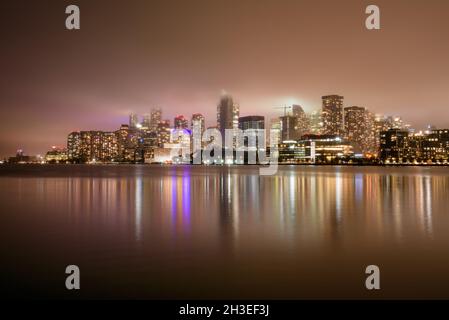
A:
[(218, 232)]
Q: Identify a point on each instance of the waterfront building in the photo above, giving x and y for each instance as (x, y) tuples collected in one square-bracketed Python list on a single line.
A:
[(332, 115)]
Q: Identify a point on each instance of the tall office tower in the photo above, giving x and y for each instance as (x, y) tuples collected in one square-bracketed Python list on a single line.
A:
[(302, 121), (181, 122), (252, 122), (370, 136), (257, 126), (381, 123), (163, 132), (227, 115), (146, 121), (332, 114), (275, 131), (122, 141), (316, 124), (155, 119), (133, 120), (74, 147), (198, 128), (289, 128), (198, 120)]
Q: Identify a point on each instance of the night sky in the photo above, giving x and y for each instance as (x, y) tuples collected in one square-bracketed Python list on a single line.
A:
[(179, 55)]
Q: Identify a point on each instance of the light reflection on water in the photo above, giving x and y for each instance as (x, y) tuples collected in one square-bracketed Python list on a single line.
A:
[(230, 216)]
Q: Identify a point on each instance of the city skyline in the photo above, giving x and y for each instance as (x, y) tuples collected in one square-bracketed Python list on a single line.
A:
[(335, 135), (271, 55), (293, 112)]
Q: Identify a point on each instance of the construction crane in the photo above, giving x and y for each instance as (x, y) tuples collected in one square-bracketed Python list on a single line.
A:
[(285, 109)]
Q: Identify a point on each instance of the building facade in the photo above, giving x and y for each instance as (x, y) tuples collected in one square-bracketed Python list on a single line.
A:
[(332, 115)]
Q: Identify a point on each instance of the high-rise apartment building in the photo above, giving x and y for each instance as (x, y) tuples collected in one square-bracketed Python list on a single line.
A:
[(360, 128), (332, 115), (155, 119), (92, 146), (227, 115)]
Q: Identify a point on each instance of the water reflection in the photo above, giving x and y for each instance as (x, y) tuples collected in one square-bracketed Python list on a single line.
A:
[(160, 229), (332, 207)]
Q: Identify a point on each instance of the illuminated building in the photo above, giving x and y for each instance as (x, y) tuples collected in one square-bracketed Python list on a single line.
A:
[(92, 146), (316, 123), (288, 128), (133, 120), (275, 131), (74, 147), (436, 146), (155, 119), (227, 115), (21, 158), (359, 128), (163, 132), (252, 127), (380, 124), (122, 142), (332, 115), (198, 120), (294, 124), (198, 128), (394, 146), (182, 139), (181, 122), (56, 155), (252, 122), (146, 123), (326, 149), (109, 148), (302, 125)]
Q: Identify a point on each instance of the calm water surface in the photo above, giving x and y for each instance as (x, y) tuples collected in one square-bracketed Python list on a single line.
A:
[(224, 232)]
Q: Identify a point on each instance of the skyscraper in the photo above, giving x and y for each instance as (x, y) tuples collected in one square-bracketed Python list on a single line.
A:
[(256, 125), (227, 115), (133, 120), (198, 128), (198, 120), (316, 123), (275, 128), (155, 119), (74, 146), (332, 115), (163, 132), (252, 122), (355, 126), (289, 129), (181, 122), (302, 121), (146, 121)]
